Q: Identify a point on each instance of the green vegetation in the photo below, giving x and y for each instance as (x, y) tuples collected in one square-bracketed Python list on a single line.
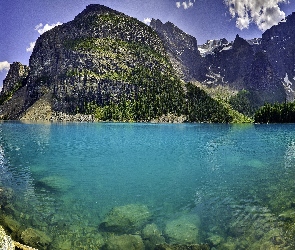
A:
[(276, 113), (242, 103), (154, 101), (5, 97)]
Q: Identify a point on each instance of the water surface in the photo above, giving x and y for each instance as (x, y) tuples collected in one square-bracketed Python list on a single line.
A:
[(238, 179)]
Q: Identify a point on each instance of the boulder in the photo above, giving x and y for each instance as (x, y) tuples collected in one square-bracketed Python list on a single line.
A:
[(35, 238), (126, 219), (55, 183), (183, 230), (181, 247), (150, 230), (11, 225), (124, 242), (6, 196)]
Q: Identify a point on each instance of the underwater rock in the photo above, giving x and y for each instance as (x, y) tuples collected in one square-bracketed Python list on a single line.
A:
[(183, 230), (11, 225), (152, 236), (215, 240), (61, 244), (55, 183), (6, 196), (154, 240), (150, 230), (288, 216), (35, 238), (182, 247), (6, 242), (126, 219), (124, 242)]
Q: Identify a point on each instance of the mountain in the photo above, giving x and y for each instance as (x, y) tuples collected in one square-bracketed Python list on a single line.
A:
[(111, 66), (263, 67), (182, 50)]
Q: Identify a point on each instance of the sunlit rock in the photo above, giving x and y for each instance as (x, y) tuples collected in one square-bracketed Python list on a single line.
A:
[(6, 242), (183, 230), (35, 238), (127, 218), (124, 242)]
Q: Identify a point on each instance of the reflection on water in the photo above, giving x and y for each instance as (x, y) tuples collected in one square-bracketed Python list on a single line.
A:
[(230, 187)]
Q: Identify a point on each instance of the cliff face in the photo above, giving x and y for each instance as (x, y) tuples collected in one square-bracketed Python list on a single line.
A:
[(15, 78), (278, 44), (182, 49), (13, 91), (94, 58)]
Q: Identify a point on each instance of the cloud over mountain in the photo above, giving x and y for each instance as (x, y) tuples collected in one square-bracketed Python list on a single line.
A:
[(4, 66), (264, 13), (41, 29), (147, 20)]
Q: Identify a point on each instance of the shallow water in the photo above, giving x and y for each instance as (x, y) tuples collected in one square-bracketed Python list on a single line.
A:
[(237, 179)]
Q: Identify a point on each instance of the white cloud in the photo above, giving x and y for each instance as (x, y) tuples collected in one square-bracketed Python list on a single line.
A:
[(32, 45), (4, 66), (185, 4), (147, 20), (40, 28), (264, 13)]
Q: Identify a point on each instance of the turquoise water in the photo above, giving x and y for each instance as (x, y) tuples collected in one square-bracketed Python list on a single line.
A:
[(237, 179)]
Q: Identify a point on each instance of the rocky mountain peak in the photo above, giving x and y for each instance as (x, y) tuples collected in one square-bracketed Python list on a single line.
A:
[(95, 9), (182, 49), (239, 42), (15, 77)]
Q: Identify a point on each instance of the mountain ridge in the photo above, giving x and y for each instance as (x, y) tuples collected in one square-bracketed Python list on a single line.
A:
[(104, 62)]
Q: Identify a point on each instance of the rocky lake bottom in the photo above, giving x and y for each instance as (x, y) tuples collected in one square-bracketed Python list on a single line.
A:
[(148, 186)]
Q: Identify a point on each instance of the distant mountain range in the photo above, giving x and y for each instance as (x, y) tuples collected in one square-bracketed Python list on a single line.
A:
[(110, 66)]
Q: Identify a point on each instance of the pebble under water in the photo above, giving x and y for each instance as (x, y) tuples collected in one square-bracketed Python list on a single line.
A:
[(137, 185)]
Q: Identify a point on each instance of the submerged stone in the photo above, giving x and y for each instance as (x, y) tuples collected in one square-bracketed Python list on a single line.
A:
[(55, 183), (124, 242), (11, 225), (182, 247), (6, 242), (35, 238), (183, 230), (6, 196), (125, 219)]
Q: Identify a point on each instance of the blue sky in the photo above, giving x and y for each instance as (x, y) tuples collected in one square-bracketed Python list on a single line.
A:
[(23, 21)]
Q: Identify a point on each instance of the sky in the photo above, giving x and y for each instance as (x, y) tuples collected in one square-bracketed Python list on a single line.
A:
[(23, 21)]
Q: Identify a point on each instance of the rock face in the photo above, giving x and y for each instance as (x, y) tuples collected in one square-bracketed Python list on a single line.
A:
[(101, 58), (92, 59), (244, 66), (182, 49), (13, 92), (264, 67), (278, 44), (15, 78)]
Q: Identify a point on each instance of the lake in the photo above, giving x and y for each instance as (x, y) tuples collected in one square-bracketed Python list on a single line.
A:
[(229, 186)]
